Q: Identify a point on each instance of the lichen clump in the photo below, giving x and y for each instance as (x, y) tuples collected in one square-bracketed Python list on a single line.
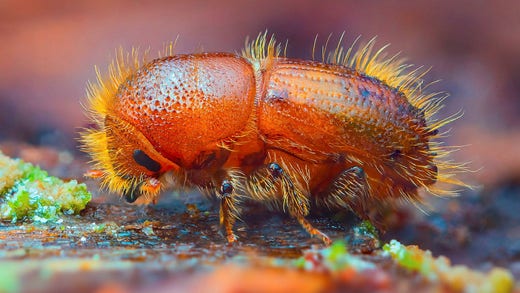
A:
[(437, 270), (459, 278), (28, 193), (332, 259)]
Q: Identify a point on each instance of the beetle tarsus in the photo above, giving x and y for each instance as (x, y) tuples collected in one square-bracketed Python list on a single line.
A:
[(313, 231)]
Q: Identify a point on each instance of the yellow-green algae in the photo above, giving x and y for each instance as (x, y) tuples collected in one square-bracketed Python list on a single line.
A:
[(459, 278), (28, 193), (334, 259)]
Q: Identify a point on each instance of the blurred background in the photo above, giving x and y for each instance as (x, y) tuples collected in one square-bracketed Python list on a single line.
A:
[(48, 50)]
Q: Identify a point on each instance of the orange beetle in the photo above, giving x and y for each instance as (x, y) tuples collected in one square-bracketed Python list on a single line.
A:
[(354, 131)]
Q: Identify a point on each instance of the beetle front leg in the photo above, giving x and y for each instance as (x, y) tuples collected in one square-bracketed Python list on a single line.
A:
[(227, 218), (228, 193)]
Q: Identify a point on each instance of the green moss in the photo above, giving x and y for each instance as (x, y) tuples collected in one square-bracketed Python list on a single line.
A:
[(29, 193), (98, 228), (366, 228), (10, 171), (458, 278), (334, 258), (407, 257)]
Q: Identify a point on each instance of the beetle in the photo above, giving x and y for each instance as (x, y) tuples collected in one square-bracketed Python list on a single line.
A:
[(352, 131)]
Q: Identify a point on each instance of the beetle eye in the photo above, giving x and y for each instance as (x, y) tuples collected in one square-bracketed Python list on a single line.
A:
[(144, 160)]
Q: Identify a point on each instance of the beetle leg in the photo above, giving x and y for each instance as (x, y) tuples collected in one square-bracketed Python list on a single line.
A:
[(294, 200), (350, 190), (229, 209)]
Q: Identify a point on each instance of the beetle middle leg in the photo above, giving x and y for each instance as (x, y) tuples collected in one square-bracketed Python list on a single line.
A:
[(350, 189), (266, 180)]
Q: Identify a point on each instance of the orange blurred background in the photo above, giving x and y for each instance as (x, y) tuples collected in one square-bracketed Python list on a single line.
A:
[(48, 50)]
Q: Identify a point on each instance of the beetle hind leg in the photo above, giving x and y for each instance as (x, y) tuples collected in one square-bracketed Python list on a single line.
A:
[(350, 190)]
